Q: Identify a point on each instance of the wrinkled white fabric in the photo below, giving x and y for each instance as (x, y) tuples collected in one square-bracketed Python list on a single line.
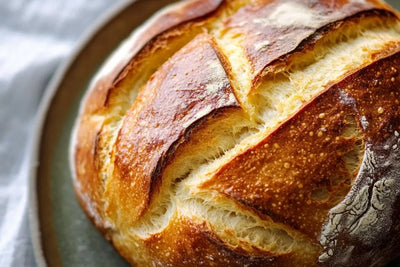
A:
[(35, 36)]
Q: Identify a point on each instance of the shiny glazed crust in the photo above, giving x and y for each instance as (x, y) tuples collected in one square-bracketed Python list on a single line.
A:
[(247, 133)]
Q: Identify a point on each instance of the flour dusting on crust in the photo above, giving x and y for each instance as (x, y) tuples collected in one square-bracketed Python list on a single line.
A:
[(365, 215)]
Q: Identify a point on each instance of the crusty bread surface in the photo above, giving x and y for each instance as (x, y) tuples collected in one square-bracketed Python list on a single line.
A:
[(247, 133)]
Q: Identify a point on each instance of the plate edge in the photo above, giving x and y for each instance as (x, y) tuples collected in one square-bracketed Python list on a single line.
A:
[(40, 118)]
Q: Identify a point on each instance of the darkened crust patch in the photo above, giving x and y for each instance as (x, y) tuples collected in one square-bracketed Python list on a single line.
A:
[(274, 29), (190, 86)]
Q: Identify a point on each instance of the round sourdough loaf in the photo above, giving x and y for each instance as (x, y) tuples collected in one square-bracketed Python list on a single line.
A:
[(247, 133)]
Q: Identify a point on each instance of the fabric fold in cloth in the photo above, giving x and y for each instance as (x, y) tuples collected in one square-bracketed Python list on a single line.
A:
[(35, 36)]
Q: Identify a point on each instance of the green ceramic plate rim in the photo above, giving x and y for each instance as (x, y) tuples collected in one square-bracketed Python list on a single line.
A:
[(40, 118)]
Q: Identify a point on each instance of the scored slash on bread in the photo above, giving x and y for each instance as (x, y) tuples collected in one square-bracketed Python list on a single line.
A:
[(248, 133)]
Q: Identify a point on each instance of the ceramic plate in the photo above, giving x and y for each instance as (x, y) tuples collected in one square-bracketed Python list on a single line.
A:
[(61, 233)]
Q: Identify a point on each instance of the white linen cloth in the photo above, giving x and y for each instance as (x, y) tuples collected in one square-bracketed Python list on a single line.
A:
[(35, 36)]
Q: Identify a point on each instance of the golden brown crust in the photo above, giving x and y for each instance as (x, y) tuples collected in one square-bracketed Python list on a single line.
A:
[(186, 243), (189, 87), (313, 145), (90, 189), (279, 176), (174, 170)]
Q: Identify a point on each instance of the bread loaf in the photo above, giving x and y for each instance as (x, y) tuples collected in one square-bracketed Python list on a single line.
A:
[(247, 133)]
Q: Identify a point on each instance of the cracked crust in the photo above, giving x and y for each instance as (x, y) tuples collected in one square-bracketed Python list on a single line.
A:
[(236, 133)]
